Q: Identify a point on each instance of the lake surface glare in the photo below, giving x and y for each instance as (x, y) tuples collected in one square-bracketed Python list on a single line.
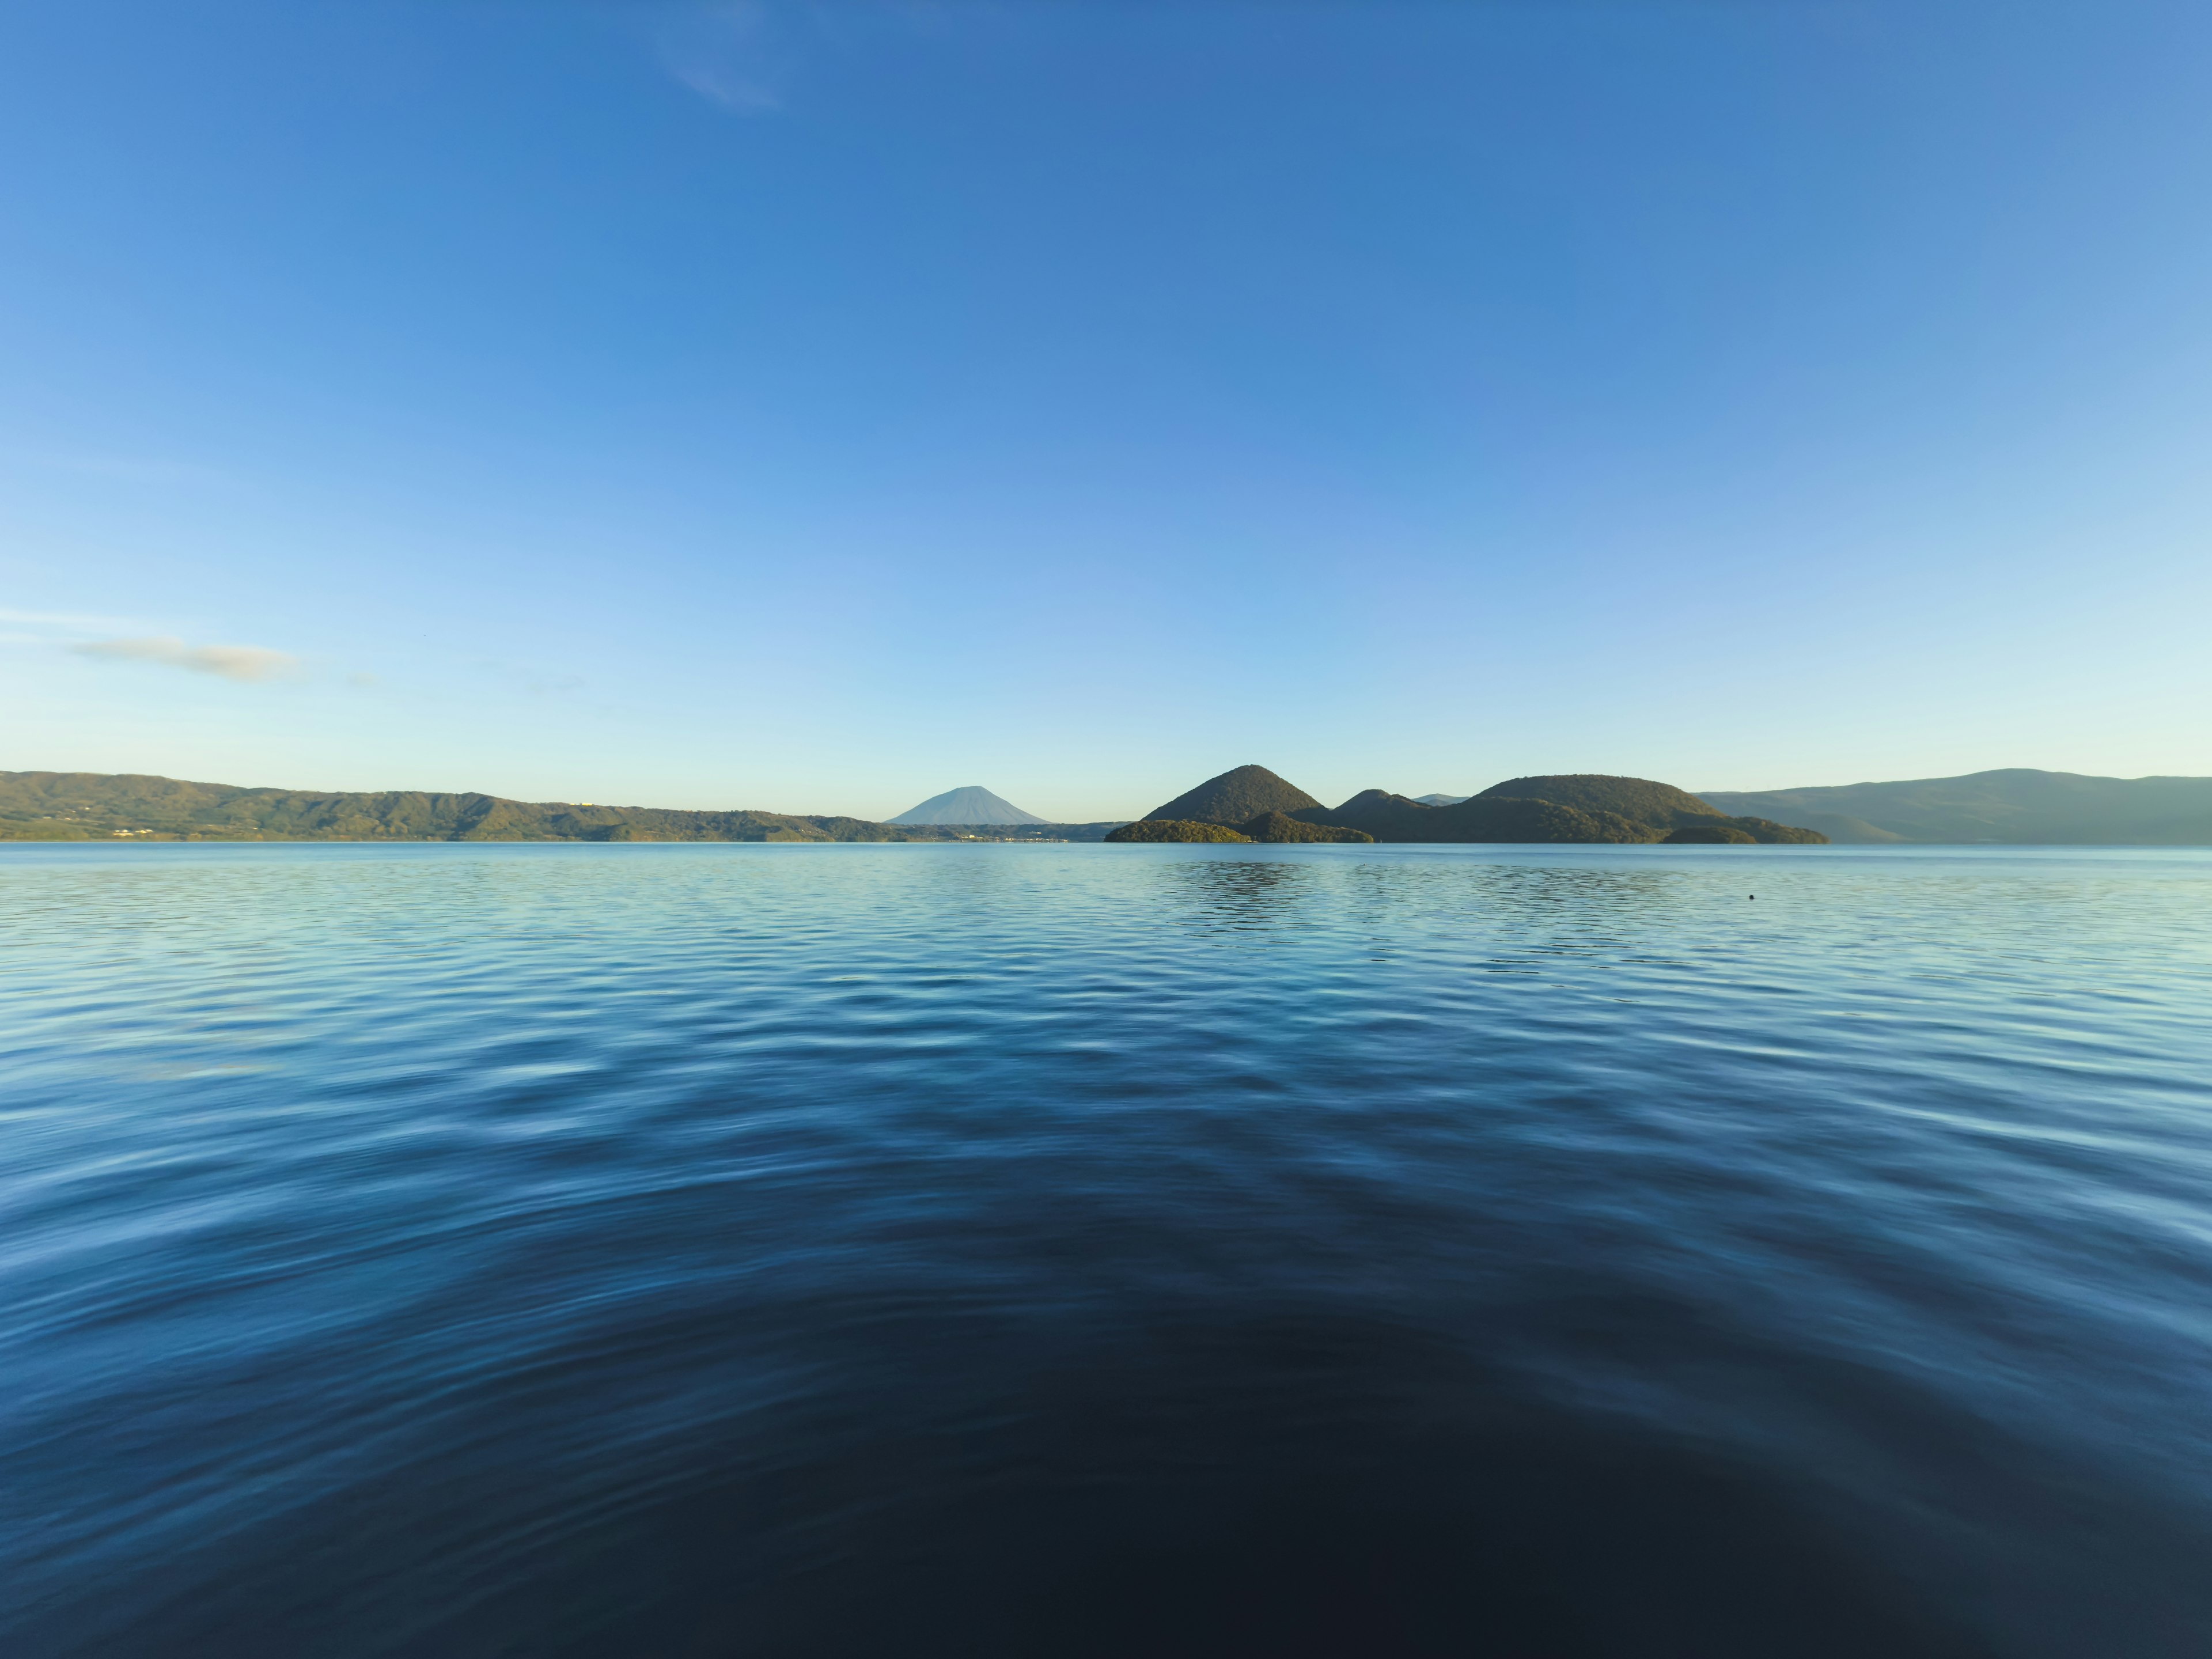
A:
[(1091, 1250)]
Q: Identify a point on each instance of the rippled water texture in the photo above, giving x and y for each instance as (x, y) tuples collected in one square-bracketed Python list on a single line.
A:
[(1104, 1250)]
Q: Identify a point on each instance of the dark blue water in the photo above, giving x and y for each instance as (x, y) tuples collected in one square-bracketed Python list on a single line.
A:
[(1104, 1250)]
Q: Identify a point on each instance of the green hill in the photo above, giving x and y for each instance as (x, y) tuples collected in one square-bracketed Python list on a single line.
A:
[(2016, 805), (1394, 817), (1237, 797), (89, 806), (1567, 808), (1150, 829), (1278, 826), (1263, 826), (1639, 800), (1660, 807)]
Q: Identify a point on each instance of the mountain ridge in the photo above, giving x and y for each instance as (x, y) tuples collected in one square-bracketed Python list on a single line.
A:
[(2015, 805), (2010, 805), (1560, 807), (104, 806)]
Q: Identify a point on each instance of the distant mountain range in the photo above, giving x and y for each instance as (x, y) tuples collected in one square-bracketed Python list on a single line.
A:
[(1574, 807), (1249, 803), (2017, 805), (91, 806), (973, 804)]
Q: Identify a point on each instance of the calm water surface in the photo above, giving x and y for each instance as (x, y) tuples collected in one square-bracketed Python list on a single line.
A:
[(475, 1250)]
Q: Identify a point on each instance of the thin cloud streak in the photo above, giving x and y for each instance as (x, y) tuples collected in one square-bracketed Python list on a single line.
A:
[(721, 53), (60, 619), (229, 662)]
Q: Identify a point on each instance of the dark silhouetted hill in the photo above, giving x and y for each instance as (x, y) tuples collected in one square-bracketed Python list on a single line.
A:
[(1566, 808), (1235, 797), (1278, 826), (1660, 807), (2017, 805), (1395, 818), (1146, 829), (1640, 801)]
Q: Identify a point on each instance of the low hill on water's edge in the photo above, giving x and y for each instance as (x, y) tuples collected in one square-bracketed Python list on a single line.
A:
[(1565, 807), (1262, 827)]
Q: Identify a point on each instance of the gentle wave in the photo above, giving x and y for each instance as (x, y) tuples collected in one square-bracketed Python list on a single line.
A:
[(1078, 1249)]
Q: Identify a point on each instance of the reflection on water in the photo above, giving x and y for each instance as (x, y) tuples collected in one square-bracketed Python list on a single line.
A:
[(801, 1250), (1232, 889), (1243, 894)]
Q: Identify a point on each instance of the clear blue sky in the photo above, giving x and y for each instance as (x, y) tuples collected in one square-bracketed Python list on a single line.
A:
[(815, 407)]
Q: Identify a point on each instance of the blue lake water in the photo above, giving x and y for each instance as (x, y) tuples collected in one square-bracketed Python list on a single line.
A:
[(753, 1250)]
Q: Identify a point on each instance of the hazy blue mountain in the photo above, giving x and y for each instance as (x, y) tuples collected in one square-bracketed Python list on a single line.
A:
[(2017, 805), (1442, 800), (973, 804)]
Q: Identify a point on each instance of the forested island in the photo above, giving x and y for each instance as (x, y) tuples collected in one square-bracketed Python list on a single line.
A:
[(1256, 804)]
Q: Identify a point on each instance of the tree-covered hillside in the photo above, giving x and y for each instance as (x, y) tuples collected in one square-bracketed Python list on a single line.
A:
[(1159, 830), (1566, 807), (1261, 827), (1236, 797), (1660, 807), (1552, 809), (1394, 817), (1281, 827), (1640, 801), (87, 805)]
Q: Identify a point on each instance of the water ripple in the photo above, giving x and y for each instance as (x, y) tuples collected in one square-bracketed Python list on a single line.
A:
[(765, 1250)]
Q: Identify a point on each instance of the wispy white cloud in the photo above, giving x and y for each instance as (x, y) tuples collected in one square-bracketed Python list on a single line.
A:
[(727, 54), (67, 621), (229, 662)]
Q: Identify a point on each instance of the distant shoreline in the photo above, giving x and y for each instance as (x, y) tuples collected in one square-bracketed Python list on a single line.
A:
[(2017, 807)]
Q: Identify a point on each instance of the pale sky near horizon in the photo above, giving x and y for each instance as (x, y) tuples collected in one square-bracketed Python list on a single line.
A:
[(818, 406)]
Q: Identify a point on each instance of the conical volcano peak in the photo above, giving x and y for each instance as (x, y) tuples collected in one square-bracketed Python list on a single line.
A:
[(1236, 797), (973, 804)]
